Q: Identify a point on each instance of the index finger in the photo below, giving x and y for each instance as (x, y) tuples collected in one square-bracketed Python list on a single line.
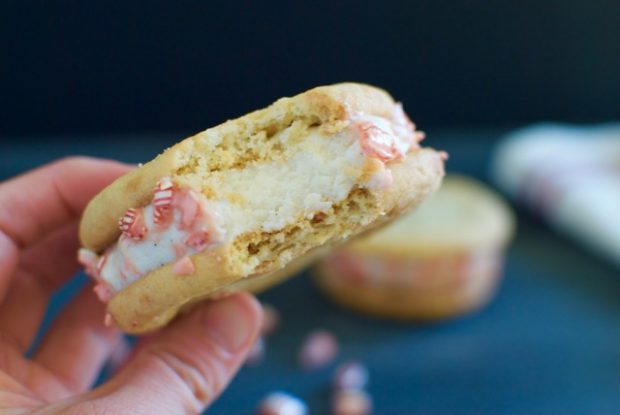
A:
[(36, 203)]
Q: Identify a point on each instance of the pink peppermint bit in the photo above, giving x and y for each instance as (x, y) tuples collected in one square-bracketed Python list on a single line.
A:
[(127, 220), (376, 142), (198, 240), (281, 403), (103, 292), (164, 184), (184, 266), (132, 224), (350, 375), (162, 201), (318, 350)]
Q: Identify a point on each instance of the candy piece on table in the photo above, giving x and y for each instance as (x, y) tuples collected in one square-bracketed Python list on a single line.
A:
[(319, 349), (271, 320), (351, 402), (350, 375), (256, 353), (282, 403), (162, 201)]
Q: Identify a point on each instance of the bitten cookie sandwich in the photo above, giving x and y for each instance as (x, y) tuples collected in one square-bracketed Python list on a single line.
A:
[(246, 203), (440, 261)]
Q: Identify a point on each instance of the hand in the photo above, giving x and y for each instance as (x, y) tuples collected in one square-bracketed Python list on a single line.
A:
[(179, 370)]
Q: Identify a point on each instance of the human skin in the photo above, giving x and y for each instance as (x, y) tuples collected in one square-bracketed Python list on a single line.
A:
[(178, 370)]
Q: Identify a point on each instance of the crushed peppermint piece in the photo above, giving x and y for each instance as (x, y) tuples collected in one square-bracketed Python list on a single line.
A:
[(377, 142), (184, 266), (162, 201), (132, 224), (198, 240), (319, 349), (103, 292)]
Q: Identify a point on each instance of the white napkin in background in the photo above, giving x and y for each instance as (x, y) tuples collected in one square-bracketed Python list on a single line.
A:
[(570, 176)]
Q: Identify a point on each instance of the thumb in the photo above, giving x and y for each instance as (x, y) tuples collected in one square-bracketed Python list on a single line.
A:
[(185, 367)]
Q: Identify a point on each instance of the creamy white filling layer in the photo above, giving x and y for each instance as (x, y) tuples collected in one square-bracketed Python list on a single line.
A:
[(322, 172), (128, 260)]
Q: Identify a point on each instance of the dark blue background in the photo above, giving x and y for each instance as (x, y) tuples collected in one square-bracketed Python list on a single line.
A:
[(119, 66)]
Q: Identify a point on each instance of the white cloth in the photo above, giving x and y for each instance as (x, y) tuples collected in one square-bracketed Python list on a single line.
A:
[(570, 176)]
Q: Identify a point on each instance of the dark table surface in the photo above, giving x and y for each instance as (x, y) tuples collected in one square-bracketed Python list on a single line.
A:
[(549, 343)]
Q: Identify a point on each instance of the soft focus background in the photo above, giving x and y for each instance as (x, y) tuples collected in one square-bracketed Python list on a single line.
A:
[(118, 66), (126, 79)]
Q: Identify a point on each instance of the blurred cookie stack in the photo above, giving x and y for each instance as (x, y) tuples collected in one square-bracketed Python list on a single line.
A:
[(441, 261)]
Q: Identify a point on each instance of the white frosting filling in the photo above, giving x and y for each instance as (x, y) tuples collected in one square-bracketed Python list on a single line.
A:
[(156, 250), (321, 173)]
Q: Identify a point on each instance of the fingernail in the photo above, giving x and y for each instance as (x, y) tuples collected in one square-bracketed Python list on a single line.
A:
[(230, 323)]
